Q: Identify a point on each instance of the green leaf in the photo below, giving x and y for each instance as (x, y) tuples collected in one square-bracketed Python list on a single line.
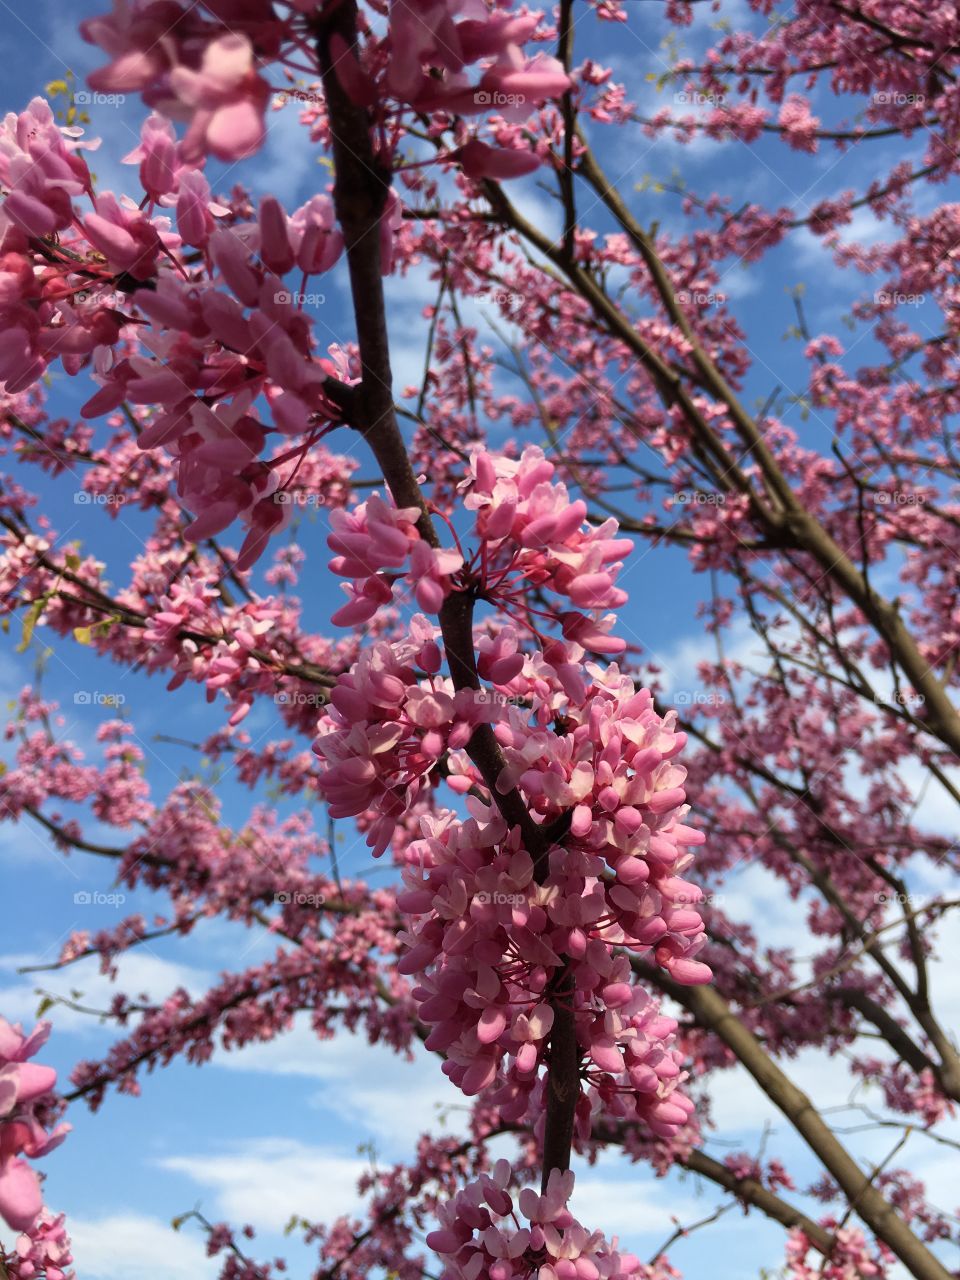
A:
[(86, 635), (30, 620)]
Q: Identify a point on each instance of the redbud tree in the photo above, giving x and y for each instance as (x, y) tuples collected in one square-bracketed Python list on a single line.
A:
[(560, 828)]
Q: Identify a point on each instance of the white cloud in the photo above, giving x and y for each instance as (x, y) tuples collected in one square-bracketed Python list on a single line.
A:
[(24, 846), (637, 1204), (298, 1052), (739, 281), (266, 1181), (755, 895), (140, 971), (739, 1107), (936, 808), (681, 660), (362, 1084), (137, 1247)]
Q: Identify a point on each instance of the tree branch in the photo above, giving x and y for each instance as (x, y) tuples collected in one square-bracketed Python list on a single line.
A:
[(711, 1011), (360, 195)]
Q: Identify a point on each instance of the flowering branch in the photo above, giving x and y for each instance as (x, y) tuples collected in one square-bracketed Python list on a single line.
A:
[(360, 195)]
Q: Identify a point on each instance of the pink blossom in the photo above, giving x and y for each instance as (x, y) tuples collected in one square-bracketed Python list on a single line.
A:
[(125, 237), (318, 241), (44, 1250), (23, 1086), (478, 160), (196, 209), (158, 157), (40, 169), (479, 1234), (133, 35), (224, 100), (798, 125)]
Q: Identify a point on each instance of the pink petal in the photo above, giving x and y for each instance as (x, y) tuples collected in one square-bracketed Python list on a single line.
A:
[(20, 1197)]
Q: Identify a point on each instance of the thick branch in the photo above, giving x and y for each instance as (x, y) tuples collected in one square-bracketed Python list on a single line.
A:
[(752, 1192), (712, 1012)]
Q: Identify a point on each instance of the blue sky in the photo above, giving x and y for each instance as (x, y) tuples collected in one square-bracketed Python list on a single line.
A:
[(259, 1135)]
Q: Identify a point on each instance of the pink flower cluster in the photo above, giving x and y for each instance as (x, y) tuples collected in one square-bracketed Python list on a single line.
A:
[(614, 769), (429, 51), (532, 534), (59, 297), (493, 931), (208, 73), (206, 359), (25, 1104), (202, 342), (190, 68), (377, 542), (490, 934), (40, 171), (43, 1253), (850, 1257), (488, 943), (391, 721), (480, 1235), (798, 125)]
